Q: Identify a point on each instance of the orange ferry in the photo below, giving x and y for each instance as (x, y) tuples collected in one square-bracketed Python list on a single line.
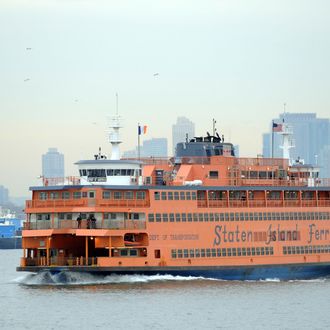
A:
[(203, 212)]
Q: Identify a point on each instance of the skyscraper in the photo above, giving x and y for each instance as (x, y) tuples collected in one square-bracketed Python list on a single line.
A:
[(53, 164), (4, 195), (311, 138), (181, 129), (156, 147)]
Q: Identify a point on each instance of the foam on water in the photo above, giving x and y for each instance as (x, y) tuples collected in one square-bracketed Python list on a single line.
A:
[(73, 278)]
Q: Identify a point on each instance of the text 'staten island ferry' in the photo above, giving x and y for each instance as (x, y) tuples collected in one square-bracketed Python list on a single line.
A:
[(203, 212)]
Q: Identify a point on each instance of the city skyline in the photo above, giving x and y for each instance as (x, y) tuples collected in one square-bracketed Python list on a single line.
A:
[(62, 63)]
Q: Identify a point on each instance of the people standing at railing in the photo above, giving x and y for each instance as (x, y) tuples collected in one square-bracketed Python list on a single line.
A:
[(79, 220), (91, 221)]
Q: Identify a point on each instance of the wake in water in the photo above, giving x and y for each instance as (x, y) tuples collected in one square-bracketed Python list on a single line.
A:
[(80, 279), (73, 278)]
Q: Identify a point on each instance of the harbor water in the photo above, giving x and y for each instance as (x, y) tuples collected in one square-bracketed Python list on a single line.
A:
[(82, 301)]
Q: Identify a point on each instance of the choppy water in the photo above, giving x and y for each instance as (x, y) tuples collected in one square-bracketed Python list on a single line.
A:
[(84, 301)]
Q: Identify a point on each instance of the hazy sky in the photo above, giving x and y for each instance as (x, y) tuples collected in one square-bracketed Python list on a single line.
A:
[(62, 62)]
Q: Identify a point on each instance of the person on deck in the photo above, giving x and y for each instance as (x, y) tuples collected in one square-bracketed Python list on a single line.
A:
[(79, 220)]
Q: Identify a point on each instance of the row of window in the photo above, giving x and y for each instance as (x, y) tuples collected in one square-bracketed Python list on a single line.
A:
[(84, 216), (222, 195), (306, 249), (225, 252), (114, 172), (175, 195), (107, 194), (242, 216)]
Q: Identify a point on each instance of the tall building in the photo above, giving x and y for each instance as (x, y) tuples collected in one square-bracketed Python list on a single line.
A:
[(53, 164), (4, 195), (156, 147), (311, 138), (180, 130)]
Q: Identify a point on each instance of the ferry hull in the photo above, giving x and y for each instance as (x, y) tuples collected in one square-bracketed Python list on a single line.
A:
[(281, 272), (7, 243)]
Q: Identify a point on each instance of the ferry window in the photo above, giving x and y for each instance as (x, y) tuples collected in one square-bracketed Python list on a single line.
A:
[(129, 195), (200, 217), (171, 217), (251, 216), (156, 195), (83, 216), (229, 252), (65, 195), (164, 197), (174, 254), (214, 254), (177, 217), (213, 174), (231, 216), (91, 194), (197, 253), (216, 217), (106, 194), (157, 254), (117, 195), (239, 251), (43, 195), (202, 253), (185, 253), (69, 216), (123, 172), (237, 216), (170, 195), (113, 216), (243, 251), (253, 251), (226, 216), (193, 195), (179, 253), (183, 217), (176, 195), (158, 217), (258, 251), (253, 174), (53, 195), (195, 216), (124, 253), (191, 253), (224, 252), (84, 194), (109, 172), (189, 217), (262, 175), (39, 217), (165, 217), (188, 196), (208, 252), (222, 217), (148, 180), (308, 216), (61, 216), (140, 195), (233, 250), (218, 252), (248, 251), (136, 216), (206, 217), (133, 252), (151, 217), (76, 194), (106, 216), (116, 172), (182, 195)]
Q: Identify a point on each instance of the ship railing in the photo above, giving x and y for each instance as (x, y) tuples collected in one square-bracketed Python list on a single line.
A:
[(73, 224), (60, 181), (59, 261), (324, 202), (59, 203)]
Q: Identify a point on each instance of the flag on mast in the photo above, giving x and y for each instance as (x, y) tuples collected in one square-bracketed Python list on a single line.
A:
[(142, 129), (277, 127)]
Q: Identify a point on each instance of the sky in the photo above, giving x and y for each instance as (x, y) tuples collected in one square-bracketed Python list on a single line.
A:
[(62, 63)]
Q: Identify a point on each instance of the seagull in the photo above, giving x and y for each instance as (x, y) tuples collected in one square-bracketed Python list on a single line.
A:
[(28, 48), (156, 74), (27, 79)]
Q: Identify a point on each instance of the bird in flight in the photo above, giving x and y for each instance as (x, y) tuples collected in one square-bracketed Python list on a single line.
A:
[(156, 74), (27, 79), (28, 48)]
